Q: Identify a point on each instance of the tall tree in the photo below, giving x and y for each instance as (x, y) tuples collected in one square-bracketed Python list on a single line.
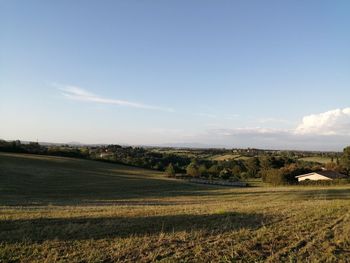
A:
[(265, 162), (252, 165), (345, 160)]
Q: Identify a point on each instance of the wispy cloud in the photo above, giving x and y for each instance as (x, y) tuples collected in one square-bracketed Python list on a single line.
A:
[(80, 94)]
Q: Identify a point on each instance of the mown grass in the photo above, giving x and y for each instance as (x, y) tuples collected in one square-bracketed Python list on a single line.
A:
[(68, 210)]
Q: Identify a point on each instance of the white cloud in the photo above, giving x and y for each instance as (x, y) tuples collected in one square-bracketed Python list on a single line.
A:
[(324, 131), (334, 122), (77, 93)]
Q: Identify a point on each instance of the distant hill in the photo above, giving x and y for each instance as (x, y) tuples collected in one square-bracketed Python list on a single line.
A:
[(191, 145)]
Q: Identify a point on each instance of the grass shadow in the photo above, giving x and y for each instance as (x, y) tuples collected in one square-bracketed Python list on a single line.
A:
[(324, 194), (41, 180), (43, 229)]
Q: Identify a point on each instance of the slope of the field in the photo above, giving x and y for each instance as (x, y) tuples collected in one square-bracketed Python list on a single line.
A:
[(68, 210), (35, 179)]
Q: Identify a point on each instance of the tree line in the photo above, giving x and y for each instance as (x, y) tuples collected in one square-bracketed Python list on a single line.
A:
[(271, 166), (276, 170)]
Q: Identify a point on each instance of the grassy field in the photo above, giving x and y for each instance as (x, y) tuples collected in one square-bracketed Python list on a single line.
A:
[(317, 159), (69, 210), (199, 154), (225, 157)]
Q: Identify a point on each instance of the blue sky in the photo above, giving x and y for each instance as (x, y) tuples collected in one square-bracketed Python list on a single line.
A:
[(268, 74)]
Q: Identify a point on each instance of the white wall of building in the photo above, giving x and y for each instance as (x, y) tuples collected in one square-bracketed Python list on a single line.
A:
[(313, 177)]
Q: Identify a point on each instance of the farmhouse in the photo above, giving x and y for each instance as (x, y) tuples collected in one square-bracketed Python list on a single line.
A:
[(321, 175)]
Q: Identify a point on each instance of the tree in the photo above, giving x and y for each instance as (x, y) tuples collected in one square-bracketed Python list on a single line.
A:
[(225, 174), (285, 175), (265, 163), (244, 175), (203, 170), (331, 166), (273, 176), (289, 172), (252, 165), (345, 160), (237, 170), (170, 171), (214, 170), (193, 170)]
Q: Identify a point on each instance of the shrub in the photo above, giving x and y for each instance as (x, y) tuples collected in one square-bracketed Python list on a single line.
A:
[(203, 170), (193, 170), (214, 170), (273, 176), (225, 174), (282, 176), (325, 182), (170, 171)]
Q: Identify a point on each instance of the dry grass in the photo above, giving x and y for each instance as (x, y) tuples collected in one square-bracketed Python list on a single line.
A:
[(226, 157), (317, 159), (87, 211)]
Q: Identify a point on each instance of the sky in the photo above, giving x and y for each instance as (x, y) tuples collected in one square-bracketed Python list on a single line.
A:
[(264, 74)]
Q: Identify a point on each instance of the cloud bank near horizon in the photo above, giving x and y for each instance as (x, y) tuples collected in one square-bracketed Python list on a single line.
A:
[(333, 122), (327, 130)]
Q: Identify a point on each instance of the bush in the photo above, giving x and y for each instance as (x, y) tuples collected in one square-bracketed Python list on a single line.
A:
[(244, 175), (285, 175), (214, 170), (225, 174), (170, 171), (273, 176), (325, 182), (193, 170), (203, 170)]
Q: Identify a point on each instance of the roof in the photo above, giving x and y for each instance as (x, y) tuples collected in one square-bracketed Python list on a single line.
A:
[(326, 173)]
